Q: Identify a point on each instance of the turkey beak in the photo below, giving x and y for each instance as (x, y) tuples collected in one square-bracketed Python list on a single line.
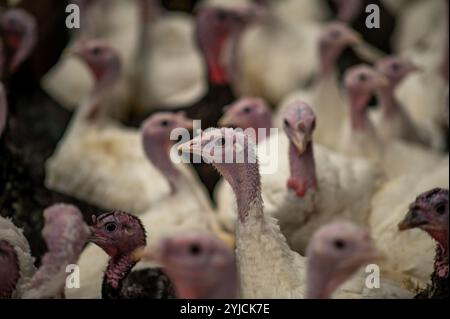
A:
[(355, 39), (92, 237), (411, 220), (144, 253), (381, 81), (225, 121), (300, 141)]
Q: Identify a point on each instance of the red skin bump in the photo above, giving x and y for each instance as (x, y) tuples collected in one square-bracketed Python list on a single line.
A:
[(298, 188)]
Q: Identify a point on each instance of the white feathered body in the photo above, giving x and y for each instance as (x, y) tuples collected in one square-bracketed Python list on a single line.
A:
[(409, 254), (268, 268)]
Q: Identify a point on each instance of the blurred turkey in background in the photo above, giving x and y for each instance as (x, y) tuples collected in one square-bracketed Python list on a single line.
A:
[(86, 117)]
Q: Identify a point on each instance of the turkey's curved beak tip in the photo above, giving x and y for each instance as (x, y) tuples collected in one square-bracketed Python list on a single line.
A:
[(411, 221), (224, 121)]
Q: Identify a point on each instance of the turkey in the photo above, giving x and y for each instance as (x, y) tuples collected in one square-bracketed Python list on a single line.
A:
[(392, 121), (192, 255), (65, 234), (276, 56), (168, 69), (430, 213), (113, 157), (325, 96), (112, 21), (336, 252), (403, 262), (120, 234), (311, 185), (359, 137), (166, 216), (18, 32), (268, 268)]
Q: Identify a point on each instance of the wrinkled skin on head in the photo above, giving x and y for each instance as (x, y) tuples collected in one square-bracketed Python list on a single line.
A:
[(117, 233), (429, 212), (336, 251), (64, 226), (199, 265), (19, 33), (299, 123), (396, 69), (65, 234), (9, 270), (218, 145)]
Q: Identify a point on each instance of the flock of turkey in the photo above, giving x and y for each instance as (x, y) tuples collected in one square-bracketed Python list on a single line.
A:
[(361, 162)]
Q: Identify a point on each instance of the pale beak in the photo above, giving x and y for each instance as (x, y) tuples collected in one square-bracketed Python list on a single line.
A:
[(225, 121), (300, 141), (381, 81), (354, 38)]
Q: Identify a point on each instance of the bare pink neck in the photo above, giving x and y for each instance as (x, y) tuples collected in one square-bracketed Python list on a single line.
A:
[(302, 170), (389, 102), (118, 268), (358, 111), (158, 152), (262, 126), (246, 183), (319, 286)]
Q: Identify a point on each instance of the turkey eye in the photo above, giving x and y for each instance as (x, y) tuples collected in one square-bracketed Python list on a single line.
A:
[(96, 51), (164, 123), (339, 244), (110, 227), (395, 66), (247, 110), (335, 34), (440, 209), (195, 250), (362, 77), (221, 141), (286, 123)]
